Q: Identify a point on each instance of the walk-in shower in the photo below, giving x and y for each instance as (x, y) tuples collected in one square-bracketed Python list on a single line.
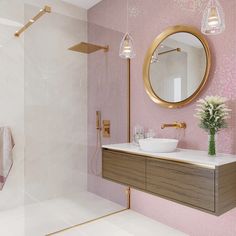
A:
[(50, 97), (89, 48)]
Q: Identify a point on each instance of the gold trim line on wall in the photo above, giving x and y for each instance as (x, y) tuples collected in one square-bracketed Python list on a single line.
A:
[(46, 9)]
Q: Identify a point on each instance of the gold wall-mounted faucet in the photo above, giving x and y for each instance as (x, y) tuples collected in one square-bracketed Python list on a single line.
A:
[(177, 125)]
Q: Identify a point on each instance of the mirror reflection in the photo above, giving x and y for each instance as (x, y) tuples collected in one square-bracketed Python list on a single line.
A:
[(177, 67)]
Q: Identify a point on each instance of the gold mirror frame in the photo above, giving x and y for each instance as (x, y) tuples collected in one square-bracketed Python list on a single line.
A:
[(159, 39)]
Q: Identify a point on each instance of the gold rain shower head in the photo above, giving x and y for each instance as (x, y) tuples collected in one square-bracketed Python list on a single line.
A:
[(88, 48), (46, 9)]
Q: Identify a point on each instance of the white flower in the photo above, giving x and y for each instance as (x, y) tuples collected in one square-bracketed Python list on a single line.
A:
[(212, 112), (215, 99)]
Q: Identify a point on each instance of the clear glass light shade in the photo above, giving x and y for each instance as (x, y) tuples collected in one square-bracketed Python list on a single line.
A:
[(127, 47), (213, 21), (155, 58)]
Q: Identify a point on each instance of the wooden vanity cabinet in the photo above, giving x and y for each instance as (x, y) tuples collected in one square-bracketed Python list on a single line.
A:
[(186, 183), (207, 188), (225, 188), (126, 169)]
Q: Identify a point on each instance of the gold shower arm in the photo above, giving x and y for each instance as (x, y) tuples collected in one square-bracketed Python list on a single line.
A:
[(172, 50), (46, 9)]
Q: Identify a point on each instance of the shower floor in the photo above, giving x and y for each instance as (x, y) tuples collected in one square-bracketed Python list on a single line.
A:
[(126, 223), (45, 217)]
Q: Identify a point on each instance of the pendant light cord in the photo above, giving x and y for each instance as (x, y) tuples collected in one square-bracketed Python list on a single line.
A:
[(127, 16)]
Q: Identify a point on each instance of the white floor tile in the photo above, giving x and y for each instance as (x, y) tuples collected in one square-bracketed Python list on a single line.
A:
[(127, 223), (42, 218), (49, 216)]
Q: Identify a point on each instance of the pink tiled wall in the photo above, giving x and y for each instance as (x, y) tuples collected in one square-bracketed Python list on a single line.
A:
[(147, 19), (107, 93)]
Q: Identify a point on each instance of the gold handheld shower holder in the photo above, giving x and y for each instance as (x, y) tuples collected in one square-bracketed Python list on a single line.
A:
[(46, 9)]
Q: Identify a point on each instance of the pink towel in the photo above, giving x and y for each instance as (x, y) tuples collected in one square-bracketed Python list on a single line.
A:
[(6, 160)]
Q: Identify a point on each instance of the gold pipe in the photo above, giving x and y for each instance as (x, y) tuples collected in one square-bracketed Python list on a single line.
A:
[(172, 50), (129, 101), (128, 194), (46, 9)]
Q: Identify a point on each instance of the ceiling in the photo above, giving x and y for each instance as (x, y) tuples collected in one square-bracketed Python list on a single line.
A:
[(83, 3), (187, 38)]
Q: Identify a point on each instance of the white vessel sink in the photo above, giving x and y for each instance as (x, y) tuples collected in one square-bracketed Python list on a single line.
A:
[(158, 145)]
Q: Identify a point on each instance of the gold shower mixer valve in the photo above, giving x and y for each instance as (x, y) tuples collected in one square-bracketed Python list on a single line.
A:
[(106, 130)]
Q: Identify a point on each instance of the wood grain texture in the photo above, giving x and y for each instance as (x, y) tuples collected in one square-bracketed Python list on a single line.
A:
[(124, 168), (187, 183), (209, 190), (225, 188)]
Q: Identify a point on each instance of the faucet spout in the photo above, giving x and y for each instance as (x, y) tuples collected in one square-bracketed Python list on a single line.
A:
[(177, 125)]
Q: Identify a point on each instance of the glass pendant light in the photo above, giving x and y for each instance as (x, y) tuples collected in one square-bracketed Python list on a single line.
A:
[(127, 47), (155, 57), (213, 21), (127, 44)]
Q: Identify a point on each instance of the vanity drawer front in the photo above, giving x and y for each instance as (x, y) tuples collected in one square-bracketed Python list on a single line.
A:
[(124, 168), (182, 182)]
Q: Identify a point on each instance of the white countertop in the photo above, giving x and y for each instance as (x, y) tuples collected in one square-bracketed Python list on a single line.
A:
[(183, 155)]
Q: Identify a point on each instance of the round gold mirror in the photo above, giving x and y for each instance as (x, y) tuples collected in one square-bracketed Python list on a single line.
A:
[(176, 66)]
